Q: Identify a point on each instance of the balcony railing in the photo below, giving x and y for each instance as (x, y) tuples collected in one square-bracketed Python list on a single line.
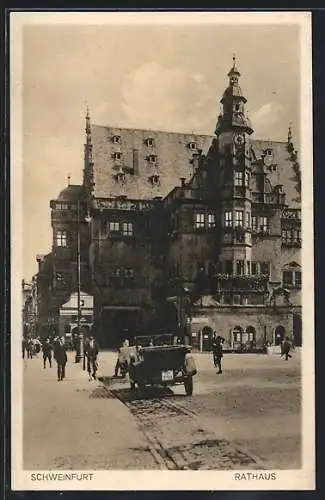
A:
[(242, 282), (269, 198)]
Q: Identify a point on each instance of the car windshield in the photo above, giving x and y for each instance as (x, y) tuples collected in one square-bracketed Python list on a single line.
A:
[(157, 340)]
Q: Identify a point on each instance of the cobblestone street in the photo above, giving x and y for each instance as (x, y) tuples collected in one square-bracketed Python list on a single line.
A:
[(248, 417)]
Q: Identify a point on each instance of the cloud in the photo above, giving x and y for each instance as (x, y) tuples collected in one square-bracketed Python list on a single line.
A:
[(166, 98), (268, 120)]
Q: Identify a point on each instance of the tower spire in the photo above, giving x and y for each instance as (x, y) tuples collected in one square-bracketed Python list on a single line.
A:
[(233, 102), (88, 125), (88, 155)]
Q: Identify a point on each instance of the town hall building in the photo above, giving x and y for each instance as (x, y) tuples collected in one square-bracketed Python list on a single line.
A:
[(181, 231)]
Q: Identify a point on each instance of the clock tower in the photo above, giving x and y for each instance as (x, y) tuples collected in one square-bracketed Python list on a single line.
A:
[(233, 131)]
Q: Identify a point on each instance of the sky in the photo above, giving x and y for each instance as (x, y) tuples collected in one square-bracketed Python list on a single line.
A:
[(164, 77)]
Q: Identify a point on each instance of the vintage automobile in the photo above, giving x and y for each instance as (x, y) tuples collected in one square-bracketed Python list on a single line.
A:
[(161, 360)]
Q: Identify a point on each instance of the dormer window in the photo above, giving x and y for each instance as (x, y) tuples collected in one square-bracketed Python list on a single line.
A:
[(154, 179), (149, 142), (152, 158), (117, 156), (116, 139), (192, 146)]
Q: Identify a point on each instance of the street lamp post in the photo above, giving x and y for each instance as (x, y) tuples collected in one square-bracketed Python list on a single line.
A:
[(80, 354)]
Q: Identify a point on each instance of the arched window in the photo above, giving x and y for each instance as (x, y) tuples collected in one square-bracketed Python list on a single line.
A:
[(251, 333), (238, 333)]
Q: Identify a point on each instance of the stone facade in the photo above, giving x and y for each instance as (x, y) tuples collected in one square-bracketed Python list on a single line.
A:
[(183, 226)]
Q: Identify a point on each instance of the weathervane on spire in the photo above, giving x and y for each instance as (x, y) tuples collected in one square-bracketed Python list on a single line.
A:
[(69, 178)]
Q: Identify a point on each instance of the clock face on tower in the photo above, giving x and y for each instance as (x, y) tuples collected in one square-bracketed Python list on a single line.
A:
[(239, 139)]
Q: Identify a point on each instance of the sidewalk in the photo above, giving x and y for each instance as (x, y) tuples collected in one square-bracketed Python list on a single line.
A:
[(74, 424)]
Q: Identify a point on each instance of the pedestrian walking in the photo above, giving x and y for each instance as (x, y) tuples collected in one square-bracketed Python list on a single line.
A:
[(217, 342), (91, 352), (47, 352), (60, 356), (287, 346)]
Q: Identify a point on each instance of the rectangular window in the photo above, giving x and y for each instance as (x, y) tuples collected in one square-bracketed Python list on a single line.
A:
[(239, 218), (228, 266), (129, 273), (264, 224), (150, 142), (248, 264), (297, 236), (116, 139), (199, 220), (286, 236), (228, 218), (61, 206), (287, 278), (239, 267), (61, 239), (264, 267), (211, 220), (117, 155), (127, 229), (114, 227), (298, 279), (239, 176), (254, 223), (116, 273), (248, 220), (254, 268)]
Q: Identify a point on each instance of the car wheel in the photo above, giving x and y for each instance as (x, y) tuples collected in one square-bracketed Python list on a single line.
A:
[(141, 389), (188, 385)]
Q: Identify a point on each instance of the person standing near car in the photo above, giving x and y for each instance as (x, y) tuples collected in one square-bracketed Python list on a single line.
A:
[(60, 356)]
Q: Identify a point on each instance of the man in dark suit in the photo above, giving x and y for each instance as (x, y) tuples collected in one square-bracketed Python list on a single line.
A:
[(91, 352), (47, 352), (60, 356), (217, 342)]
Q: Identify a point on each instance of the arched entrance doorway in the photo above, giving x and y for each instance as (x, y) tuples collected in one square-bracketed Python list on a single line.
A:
[(237, 336), (251, 337), (206, 338), (279, 334)]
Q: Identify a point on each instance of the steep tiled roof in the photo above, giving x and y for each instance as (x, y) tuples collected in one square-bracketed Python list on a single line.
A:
[(283, 173), (173, 154)]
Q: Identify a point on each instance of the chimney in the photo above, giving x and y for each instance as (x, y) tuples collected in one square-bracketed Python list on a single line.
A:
[(136, 162), (182, 182)]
